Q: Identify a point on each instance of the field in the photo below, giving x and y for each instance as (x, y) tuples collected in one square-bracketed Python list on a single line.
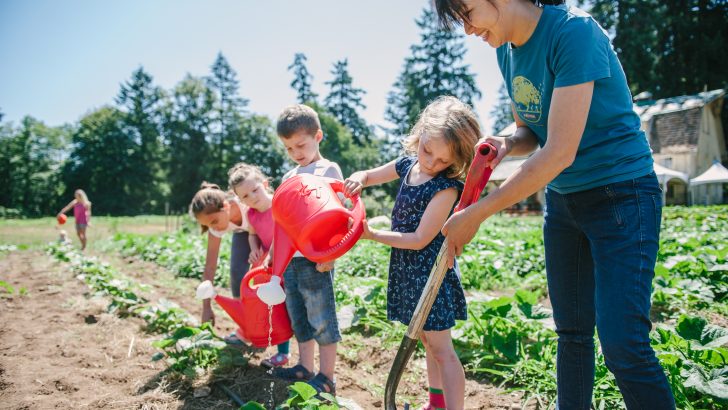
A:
[(116, 326)]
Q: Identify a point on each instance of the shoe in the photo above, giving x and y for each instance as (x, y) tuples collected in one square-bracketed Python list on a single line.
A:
[(234, 339), (295, 373), (323, 384), (277, 360)]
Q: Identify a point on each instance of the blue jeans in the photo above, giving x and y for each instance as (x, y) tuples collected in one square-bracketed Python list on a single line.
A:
[(601, 245), (310, 302)]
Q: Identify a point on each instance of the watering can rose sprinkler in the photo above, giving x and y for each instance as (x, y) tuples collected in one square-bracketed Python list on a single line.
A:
[(310, 218), (478, 176)]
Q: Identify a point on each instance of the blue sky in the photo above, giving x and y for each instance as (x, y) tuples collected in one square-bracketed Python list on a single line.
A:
[(61, 59)]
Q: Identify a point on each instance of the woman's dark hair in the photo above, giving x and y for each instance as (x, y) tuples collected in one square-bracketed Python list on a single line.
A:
[(451, 13)]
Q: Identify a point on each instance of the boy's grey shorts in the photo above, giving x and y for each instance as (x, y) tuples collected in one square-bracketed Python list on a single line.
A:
[(310, 302)]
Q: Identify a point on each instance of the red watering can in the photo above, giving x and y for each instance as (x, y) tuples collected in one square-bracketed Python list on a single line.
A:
[(311, 218), (254, 316)]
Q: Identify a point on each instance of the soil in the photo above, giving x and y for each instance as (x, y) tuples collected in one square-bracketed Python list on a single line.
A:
[(60, 349)]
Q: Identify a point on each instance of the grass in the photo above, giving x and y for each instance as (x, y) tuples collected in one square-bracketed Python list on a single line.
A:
[(36, 233)]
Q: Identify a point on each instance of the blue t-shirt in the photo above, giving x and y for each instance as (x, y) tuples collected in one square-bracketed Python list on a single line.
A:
[(568, 47)]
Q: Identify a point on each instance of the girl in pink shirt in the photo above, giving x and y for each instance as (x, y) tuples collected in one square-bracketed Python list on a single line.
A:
[(251, 186), (81, 213)]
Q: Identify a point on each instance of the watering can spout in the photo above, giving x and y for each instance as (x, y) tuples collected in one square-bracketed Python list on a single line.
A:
[(233, 307), (283, 250)]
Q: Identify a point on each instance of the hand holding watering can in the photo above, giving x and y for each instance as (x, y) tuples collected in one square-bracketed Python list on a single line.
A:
[(311, 218)]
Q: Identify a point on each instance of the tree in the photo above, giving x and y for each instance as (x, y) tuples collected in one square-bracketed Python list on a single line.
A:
[(502, 114), (302, 79), (262, 147), (187, 124), (141, 101), (29, 160), (343, 101), (434, 69), (229, 108), (669, 48), (98, 163)]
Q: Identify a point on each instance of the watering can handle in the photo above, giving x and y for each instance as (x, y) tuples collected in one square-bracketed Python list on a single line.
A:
[(478, 175), (357, 214)]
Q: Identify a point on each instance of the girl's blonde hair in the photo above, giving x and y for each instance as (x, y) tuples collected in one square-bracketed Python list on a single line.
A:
[(209, 199), (242, 172), (84, 198), (449, 118)]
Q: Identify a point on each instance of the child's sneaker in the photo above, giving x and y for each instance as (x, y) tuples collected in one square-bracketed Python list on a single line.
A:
[(277, 360)]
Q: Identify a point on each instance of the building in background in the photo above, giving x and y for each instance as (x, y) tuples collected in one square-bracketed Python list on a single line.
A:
[(687, 137)]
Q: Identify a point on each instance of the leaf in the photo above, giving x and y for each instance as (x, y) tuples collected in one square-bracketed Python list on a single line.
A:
[(305, 390), (714, 385), (507, 345), (252, 405), (690, 328), (500, 306), (714, 336)]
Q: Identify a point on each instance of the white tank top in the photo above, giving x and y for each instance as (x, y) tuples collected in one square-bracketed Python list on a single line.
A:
[(244, 225)]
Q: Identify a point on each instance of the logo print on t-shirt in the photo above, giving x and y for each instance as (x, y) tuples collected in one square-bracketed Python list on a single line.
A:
[(527, 99)]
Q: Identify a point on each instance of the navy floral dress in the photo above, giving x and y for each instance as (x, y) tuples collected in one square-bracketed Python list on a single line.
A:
[(410, 269)]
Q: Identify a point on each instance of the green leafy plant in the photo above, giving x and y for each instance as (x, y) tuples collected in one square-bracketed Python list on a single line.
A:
[(303, 396)]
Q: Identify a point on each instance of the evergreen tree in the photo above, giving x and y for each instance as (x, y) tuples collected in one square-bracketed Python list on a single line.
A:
[(29, 160), (669, 48), (691, 44), (502, 114), (227, 134), (262, 148), (188, 123), (343, 101), (302, 79), (141, 101), (98, 163), (434, 69)]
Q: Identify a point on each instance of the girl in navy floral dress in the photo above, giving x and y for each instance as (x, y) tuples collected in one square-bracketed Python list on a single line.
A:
[(440, 149)]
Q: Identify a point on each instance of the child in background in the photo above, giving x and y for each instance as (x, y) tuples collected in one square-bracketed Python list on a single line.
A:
[(220, 212), (81, 213), (309, 286), (251, 187), (440, 148)]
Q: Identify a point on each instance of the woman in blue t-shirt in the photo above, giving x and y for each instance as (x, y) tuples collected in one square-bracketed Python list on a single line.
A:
[(570, 96)]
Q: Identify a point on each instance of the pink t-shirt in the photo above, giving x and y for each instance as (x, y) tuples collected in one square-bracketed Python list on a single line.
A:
[(262, 222), (80, 213)]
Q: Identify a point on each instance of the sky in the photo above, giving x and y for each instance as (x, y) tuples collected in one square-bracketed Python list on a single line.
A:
[(62, 59)]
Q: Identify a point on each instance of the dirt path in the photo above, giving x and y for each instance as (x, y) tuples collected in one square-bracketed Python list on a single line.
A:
[(59, 349)]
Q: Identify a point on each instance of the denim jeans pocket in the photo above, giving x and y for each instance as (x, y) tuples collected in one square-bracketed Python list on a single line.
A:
[(612, 195)]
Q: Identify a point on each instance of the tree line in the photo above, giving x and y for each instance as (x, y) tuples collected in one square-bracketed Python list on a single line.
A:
[(151, 147)]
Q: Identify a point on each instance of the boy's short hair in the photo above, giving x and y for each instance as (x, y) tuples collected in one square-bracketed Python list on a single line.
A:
[(297, 118)]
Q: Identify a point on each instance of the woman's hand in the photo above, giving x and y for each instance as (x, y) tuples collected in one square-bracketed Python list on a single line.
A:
[(503, 146), (355, 183), (207, 314), (459, 230)]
